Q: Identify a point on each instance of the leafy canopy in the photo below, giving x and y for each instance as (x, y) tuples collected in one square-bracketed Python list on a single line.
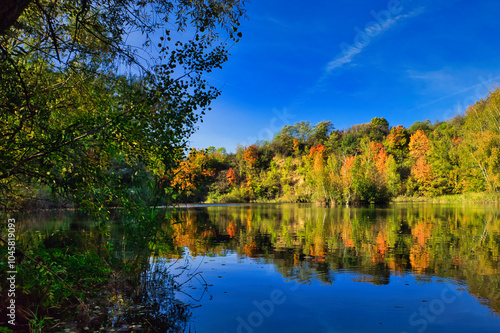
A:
[(82, 82)]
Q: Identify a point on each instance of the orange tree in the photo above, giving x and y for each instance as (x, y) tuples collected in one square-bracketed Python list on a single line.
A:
[(250, 155), (192, 175), (421, 170), (232, 177), (317, 174)]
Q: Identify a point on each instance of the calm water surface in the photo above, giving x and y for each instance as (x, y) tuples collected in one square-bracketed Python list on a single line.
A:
[(300, 268)]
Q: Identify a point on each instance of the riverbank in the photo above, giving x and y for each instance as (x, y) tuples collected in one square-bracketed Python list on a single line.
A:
[(454, 198), (481, 197)]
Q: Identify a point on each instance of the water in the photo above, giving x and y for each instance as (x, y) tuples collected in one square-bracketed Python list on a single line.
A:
[(301, 268)]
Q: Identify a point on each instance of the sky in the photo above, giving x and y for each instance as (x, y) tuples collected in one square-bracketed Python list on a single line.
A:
[(348, 61)]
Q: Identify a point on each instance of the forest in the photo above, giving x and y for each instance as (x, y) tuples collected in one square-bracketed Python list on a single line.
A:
[(87, 124), (98, 122), (371, 162)]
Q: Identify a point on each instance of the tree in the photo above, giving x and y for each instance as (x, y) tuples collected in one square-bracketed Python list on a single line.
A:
[(296, 145), (11, 11), (348, 145), (485, 114), (251, 155), (381, 122), (302, 131), (419, 145), (193, 174), (480, 145), (71, 87), (370, 173), (421, 171), (318, 156), (482, 159), (379, 129), (347, 176), (380, 157), (393, 179), (424, 126), (231, 176), (283, 141), (444, 158), (320, 133), (397, 143)]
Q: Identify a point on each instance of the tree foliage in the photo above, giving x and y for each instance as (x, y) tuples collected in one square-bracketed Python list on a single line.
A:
[(371, 163), (83, 82), (251, 155), (193, 173)]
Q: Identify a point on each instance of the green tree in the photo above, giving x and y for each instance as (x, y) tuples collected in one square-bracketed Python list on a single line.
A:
[(424, 126), (479, 149), (485, 114), (382, 122), (302, 131), (397, 143), (379, 129), (282, 143), (320, 133), (74, 92), (444, 158), (482, 158)]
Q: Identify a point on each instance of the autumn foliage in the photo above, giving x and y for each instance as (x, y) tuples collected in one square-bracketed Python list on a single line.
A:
[(318, 150), (380, 156), (193, 172), (421, 170), (231, 176), (366, 163), (251, 155)]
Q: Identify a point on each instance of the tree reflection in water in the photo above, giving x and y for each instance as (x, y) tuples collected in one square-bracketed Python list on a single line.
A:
[(308, 243)]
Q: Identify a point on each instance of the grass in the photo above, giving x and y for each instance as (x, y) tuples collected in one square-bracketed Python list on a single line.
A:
[(482, 197), (237, 195)]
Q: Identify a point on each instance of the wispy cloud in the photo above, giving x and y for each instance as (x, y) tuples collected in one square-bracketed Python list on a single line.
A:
[(481, 89), (345, 57), (363, 38), (432, 76)]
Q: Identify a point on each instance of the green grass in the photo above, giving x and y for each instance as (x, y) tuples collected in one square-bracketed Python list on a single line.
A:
[(453, 198)]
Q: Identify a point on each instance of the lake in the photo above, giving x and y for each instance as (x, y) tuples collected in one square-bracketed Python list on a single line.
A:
[(300, 268)]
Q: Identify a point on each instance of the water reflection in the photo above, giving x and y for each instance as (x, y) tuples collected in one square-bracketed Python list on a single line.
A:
[(307, 243), (291, 268), (76, 274)]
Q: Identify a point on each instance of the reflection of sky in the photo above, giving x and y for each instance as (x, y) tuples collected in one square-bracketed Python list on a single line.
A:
[(238, 288)]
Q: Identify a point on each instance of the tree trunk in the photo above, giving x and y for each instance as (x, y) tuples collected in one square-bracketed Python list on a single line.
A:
[(10, 10)]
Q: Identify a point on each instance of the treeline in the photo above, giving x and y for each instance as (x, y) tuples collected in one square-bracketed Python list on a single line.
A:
[(370, 162), (307, 244)]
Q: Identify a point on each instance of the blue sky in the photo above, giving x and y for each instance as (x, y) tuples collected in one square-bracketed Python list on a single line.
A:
[(348, 61)]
